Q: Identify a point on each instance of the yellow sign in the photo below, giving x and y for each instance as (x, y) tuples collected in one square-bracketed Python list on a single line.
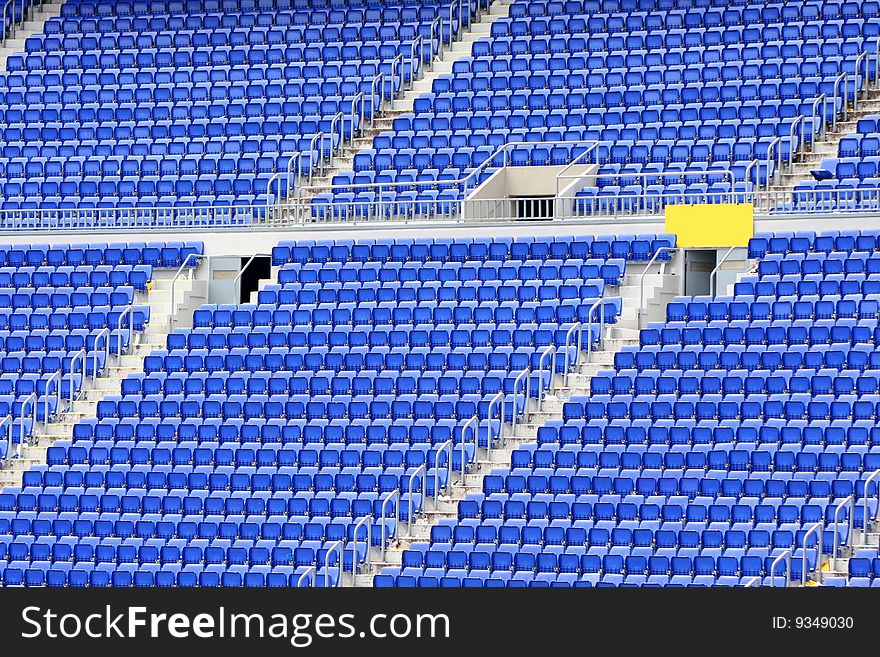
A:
[(711, 225)]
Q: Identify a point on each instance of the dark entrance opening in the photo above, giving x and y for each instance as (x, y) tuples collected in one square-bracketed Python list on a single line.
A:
[(530, 209), (260, 268)]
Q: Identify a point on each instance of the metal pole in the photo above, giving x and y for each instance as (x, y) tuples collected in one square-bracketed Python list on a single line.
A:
[(393, 495), (366, 520), (174, 283), (310, 570), (445, 447), (642, 279), (236, 283), (549, 351), (785, 554), (409, 518), (818, 526), (849, 500), (717, 267), (475, 420), (525, 373), (337, 546), (499, 400), (868, 481), (573, 362)]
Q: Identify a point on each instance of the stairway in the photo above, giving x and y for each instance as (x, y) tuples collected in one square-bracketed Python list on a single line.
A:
[(344, 160), (118, 368), (33, 24), (622, 334), (809, 160)]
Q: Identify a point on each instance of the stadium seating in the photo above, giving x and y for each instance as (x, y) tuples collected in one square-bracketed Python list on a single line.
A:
[(706, 88), (262, 435), (63, 312), (707, 450), (198, 103)]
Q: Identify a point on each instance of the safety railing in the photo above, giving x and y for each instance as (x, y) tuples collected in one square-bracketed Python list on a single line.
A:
[(311, 570), (393, 495), (357, 116), (337, 128), (172, 315), (592, 149), (865, 497), (81, 357), (573, 362), (366, 521), (860, 81), (815, 529), (10, 24), (463, 183), (522, 380), (848, 501), (786, 555), (396, 65), (316, 139), (416, 57), (104, 334), (22, 416), (339, 548), (378, 82), (795, 140), (844, 78), (128, 312), (662, 249), (773, 148), (549, 352), (600, 304), (445, 448), (421, 470), (7, 423), (823, 100), (713, 276), (474, 425), (436, 36), (56, 378), (751, 583), (496, 401)]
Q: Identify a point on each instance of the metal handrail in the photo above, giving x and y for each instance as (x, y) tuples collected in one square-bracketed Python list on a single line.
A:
[(393, 495), (195, 256), (57, 377), (818, 526), (103, 333), (396, 63), (600, 304), (445, 447), (751, 582), (772, 147), (748, 172), (415, 62), (549, 351), (593, 147), (497, 399), (366, 520), (359, 96), (476, 431), (7, 422), (436, 30), (579, 327), (337, 120), (501, 150), (860, 60), (236, 282), (785, 554), (526, 373), (712, 276), (291, 176), (795, 145), (845, 78), (380, 79), (851, 501), (129, 311), (662, 249), (822, 98), (310, 570), (424, 472), (81, 354), (32, 399), (868, 481), (319, 136), (339, 547)]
